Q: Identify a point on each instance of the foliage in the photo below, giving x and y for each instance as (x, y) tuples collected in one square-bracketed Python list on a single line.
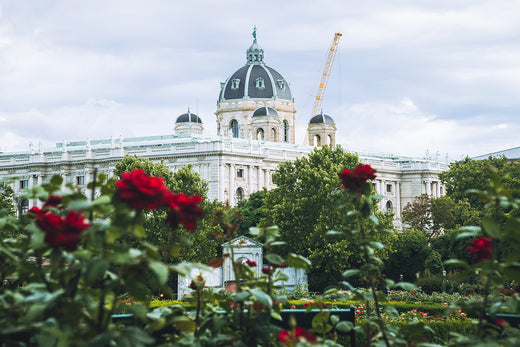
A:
[(411, 251), (433, 264), (251, 212), (434, 216), (7, 198), (199, 245), (469, 174), (303, 204)]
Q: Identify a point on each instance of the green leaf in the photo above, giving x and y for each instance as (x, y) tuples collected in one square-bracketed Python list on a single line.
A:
[(392, 312), (274, 258), (56, 180), (297, 261), (102, 200), (466, 235), (407, 286), (242, 296), (80, 205), (276, 315), (349, 273), (491, 227), (95, 270), (374, 219), (376, 245), (456, 263), (262, 297), (344, 326), (160, 270), (333, 232), (183, 323), (255, 231)]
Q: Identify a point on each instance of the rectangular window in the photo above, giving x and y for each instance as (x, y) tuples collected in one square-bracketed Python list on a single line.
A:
[(281, 84), (388, 188), (24, 184), (260, 83), (240, 173), (80, 180), (235, 83)]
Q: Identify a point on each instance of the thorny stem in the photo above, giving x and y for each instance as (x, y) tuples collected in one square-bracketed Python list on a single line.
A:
[(487, 286), (372, 284)]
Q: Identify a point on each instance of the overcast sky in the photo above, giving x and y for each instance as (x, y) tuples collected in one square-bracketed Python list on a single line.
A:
[(410, 76)]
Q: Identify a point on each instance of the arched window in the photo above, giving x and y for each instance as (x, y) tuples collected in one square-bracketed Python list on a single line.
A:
[(285, 131), (316, 140), (24, 206), (389, 206), (273, 135), (260, 134), (239, 194), (234, 128), (329, 140)]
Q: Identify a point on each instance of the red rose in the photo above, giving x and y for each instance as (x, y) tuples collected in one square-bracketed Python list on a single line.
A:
[(250, 263), (355, 179), (198, 282), (53, 201), (267, 270), (141, 191), (481, 247), (298, 333), (184, 209), (61, 232)]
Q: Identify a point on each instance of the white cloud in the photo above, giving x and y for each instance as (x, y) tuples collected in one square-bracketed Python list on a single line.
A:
[(402, 128)]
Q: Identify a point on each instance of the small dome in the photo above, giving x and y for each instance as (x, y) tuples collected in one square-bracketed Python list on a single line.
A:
[(321, 118), (265, 111), (188, 118)]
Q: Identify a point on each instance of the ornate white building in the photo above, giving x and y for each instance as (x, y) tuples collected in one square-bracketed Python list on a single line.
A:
[(255, 120)]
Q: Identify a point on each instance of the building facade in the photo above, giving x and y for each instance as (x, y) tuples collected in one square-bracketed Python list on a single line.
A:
[(255, 118)]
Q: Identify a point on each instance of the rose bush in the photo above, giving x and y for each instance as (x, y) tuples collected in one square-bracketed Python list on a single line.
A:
[(71, 264)]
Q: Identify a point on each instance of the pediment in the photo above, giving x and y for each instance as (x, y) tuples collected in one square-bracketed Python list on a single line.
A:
[(242, 241)]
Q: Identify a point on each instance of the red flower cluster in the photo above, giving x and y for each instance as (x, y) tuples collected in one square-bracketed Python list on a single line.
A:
[(59, 231), (141, 191), (354, 180), (481, 247), (250, 263), (298, 333), (184, 209)]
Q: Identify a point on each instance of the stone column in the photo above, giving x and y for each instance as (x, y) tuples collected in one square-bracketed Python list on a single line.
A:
[(250, 188), (221, 175), (231, 190)]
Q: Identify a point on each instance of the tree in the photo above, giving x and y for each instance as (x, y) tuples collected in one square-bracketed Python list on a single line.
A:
[(304, 205), (307, 203), (199, 245), (475, 174), (411, 251), (251, 211), (7, 199), (434, 216)]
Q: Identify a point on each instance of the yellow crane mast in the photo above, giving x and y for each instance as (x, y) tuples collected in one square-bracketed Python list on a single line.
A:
[(326, 73)]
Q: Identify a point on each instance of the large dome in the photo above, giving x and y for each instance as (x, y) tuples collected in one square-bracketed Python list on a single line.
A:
[(255, 80)]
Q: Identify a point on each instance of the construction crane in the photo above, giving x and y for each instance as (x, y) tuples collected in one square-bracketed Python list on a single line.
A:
[(326, 73)]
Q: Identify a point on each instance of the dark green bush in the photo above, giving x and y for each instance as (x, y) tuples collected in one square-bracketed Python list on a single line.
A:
[(430, 283)]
